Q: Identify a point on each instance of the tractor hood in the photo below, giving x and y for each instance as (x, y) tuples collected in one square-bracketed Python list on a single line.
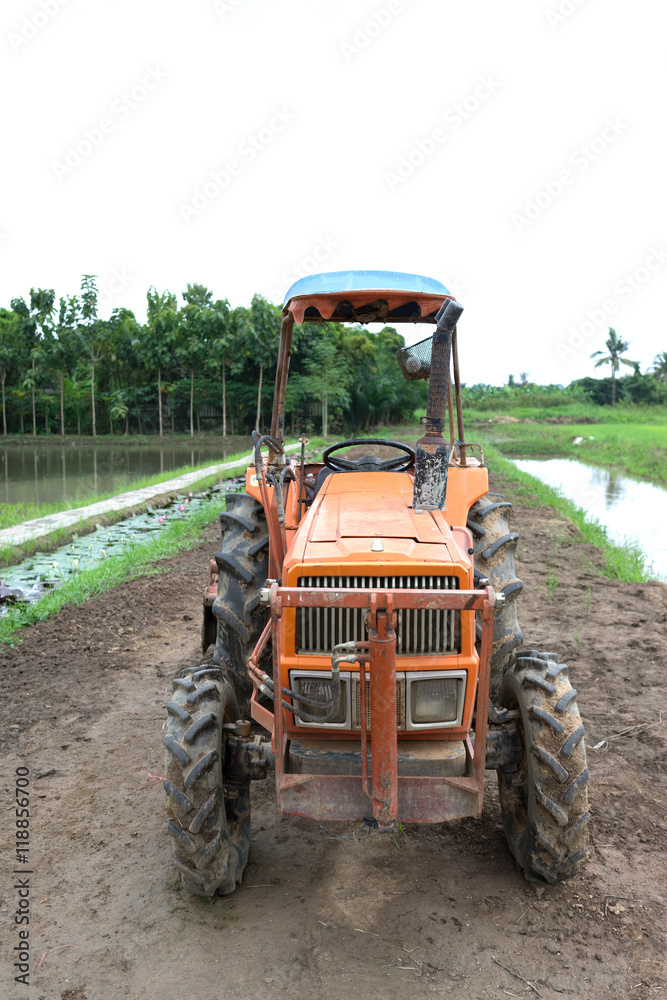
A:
[(368, 518), (357, 510)]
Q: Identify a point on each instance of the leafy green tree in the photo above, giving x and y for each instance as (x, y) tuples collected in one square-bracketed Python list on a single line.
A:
[(616, 347), (659, 371), (190, 346), (265, 321), (93, 334), (8, 350), (328, 376), (63, 347), (222, 337), (33, 321), (159, 336)]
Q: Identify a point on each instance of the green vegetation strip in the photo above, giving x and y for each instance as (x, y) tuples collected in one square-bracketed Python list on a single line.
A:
[(140, 560), (626, 562), (637, 450)]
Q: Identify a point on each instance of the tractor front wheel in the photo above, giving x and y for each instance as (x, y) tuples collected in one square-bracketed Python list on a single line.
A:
[(208, 809), (543, 793)]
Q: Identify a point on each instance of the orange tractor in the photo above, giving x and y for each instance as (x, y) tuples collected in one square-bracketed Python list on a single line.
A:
[(366, 644)]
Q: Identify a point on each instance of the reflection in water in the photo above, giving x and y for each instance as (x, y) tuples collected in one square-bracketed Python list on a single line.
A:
[(628, 508), (40, 474)]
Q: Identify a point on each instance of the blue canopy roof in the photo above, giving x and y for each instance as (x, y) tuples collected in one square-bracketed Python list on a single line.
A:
[(334, 282)]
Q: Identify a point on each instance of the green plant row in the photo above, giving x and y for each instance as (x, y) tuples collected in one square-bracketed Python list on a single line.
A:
[(139, 560)]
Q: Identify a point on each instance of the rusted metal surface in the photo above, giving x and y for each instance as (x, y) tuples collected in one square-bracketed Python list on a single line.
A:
[(456, 600), (340, 797), (269, 499), (263, 716), (211, 591), (419, 758), (382, 663), (481, 720), (410, 799), (364, 731)]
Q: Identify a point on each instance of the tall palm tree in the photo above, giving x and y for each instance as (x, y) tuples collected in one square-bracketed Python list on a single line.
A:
[(616, 346), (659, 370)]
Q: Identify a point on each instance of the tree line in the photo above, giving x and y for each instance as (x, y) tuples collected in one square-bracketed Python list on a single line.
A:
[(196, 363), (641, 388)]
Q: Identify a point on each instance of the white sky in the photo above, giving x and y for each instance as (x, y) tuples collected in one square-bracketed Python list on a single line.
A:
[(353, 97)]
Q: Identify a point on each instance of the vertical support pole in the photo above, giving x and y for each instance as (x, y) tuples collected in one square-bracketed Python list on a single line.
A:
[(364, 732), (278, 742), (459, 401), (382, 653), (450, 419), (282, 368), (482, 707)]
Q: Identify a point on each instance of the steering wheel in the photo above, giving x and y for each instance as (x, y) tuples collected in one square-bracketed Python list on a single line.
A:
[(398, 464)]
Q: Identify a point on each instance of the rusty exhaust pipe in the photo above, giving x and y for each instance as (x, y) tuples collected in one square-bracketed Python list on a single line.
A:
[(430, 488)]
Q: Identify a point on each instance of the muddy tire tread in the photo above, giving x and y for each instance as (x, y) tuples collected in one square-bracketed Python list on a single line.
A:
[(209, 852), (544, 799), (494, 557)]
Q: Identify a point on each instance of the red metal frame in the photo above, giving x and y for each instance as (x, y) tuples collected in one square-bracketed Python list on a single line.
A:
[(344, 797)]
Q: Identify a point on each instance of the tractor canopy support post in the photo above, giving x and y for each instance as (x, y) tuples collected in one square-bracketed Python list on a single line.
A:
[(282, 368), (431, 463)]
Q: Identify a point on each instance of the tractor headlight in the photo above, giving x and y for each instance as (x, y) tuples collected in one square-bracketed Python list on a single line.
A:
[(435, 699), (316, 686)]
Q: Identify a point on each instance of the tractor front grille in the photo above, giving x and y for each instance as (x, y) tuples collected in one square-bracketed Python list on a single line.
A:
[(419, 633)]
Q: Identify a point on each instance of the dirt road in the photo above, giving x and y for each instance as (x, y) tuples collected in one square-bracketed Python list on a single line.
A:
[(436, 912)]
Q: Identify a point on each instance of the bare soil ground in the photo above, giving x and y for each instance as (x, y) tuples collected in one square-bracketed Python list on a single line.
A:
[(437, 912)]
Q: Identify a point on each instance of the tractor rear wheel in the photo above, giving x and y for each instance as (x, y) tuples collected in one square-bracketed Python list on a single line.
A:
[(208, 810), (543, 794), (494, 551), (242, 572)]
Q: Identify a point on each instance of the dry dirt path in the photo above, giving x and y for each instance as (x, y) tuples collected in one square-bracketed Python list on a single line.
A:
[(427, 916)]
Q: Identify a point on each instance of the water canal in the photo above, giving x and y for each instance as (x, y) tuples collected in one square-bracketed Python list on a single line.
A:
[(628, 508), (53, 473)]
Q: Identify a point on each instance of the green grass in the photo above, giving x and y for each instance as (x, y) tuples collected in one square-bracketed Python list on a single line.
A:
[(140, 560), (636, 449), (623, 413)]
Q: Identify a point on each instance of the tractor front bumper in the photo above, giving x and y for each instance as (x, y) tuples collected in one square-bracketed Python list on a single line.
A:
[(392, 793)]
